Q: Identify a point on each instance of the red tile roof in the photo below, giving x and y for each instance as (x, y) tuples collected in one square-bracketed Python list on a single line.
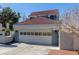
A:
[(53, 12), (39, 20)]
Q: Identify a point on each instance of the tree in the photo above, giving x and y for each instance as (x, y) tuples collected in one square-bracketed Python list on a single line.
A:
[(7, 15), (71, 18)]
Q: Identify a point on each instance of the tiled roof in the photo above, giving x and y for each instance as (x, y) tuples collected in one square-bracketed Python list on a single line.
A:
[(53, 12), (39, 20)]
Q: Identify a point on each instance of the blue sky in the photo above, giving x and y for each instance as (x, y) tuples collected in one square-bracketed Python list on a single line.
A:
[(27, 8)]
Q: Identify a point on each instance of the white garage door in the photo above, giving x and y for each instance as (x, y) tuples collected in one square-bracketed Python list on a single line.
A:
[(38, 37)]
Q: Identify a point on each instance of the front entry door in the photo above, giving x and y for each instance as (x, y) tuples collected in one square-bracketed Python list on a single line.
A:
[(55, 37), (16, 36)]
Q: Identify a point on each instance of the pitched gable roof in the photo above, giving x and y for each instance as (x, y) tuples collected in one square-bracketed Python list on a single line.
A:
[(39, 20), (53, 12)]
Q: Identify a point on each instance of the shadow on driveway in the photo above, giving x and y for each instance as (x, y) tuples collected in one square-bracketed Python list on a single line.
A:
[(7, 45)]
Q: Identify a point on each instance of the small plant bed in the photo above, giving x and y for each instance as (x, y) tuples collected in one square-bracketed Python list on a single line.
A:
[(62, 52), (6, 32)]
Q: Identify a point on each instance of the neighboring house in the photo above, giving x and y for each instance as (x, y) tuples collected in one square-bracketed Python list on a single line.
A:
[(1, 33), (40, 28), (5, 37)]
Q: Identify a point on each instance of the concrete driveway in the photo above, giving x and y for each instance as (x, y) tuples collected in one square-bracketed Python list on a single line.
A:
[(25, 49)]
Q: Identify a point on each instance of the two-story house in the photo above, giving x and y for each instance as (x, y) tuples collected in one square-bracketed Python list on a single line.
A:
[(40, 28)]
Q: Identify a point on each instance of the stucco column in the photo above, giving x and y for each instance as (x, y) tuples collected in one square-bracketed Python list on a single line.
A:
[(59, 39), (8, 25)]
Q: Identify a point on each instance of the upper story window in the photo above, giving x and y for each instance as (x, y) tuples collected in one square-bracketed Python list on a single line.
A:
[(54, 17)]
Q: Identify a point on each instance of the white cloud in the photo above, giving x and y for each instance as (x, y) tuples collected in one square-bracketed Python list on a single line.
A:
[(4, 4)]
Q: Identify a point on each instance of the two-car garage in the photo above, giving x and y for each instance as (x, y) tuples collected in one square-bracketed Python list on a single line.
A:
[(43, 37)]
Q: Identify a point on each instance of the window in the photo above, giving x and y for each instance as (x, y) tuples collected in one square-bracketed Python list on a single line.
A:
[(36, 33), (44, 33), (24, 33), (32, 33), (49, 34), (40, 33), (54, 17), (21, 33), (28, 33)]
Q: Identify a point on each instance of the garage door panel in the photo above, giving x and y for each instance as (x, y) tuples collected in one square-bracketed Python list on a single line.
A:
[(37, 39)]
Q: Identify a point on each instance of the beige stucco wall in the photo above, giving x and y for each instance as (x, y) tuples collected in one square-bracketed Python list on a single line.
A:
[(5, 39), (76, 42), (36, 26), (0, 27), (66, 41), (69, 41)]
